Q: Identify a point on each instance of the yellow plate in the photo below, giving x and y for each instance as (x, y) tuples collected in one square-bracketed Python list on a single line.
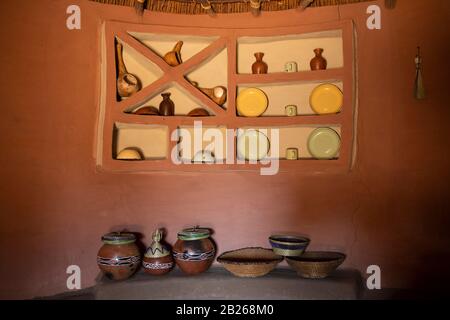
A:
[(251, 102), (326, 99)]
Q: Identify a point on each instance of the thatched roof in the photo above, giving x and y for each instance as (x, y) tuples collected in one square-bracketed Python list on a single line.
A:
[(223, 6)]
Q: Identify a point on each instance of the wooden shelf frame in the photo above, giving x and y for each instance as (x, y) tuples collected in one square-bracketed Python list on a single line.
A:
[(113, 110)]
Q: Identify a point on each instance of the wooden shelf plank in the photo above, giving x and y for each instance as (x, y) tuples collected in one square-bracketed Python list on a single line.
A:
[(290, 77), (309, 120)]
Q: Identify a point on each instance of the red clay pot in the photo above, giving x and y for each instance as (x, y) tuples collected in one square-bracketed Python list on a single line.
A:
[(119, 256), (194, 252)]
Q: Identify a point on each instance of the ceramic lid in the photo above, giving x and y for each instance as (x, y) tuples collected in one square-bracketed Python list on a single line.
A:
[(156, 249), (118, 238), (195, 233)]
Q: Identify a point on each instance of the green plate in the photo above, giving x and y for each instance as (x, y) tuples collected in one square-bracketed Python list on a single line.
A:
[(324, 143)]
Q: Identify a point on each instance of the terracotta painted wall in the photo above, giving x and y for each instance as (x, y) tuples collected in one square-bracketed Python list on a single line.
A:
[(392, 210)]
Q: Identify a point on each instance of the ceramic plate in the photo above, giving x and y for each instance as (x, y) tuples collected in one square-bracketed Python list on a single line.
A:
[(251, 102), (324, 143), (326, 99), (253, 145)]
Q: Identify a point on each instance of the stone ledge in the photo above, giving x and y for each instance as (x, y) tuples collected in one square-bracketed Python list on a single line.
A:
[(217, 283)]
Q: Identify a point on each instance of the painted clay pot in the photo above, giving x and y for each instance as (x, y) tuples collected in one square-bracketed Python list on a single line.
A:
[(166, 107), (318, 62), (259, 66), (194, 252), (158, 258), (173, 58), (127, 83), (119, 256)]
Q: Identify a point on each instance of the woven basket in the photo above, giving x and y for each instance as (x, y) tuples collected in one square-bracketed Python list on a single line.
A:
[(316, 265), (249, 262)]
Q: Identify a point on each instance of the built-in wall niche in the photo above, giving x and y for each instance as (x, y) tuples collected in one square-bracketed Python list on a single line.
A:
[(289, 137), (151, 141), (222, 57), (136, 64), (298, 48), (298, 94), (205, 144), (184, 102)]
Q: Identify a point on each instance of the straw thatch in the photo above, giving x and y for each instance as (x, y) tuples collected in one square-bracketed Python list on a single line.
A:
[(222, 6)]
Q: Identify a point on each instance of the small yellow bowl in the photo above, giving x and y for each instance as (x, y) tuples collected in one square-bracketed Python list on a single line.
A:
[(129, 154)]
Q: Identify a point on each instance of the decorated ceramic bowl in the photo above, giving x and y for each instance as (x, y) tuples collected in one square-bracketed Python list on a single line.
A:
[(288, 246)]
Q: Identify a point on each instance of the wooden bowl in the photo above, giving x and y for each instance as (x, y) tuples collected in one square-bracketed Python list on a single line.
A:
[(249, 262), (316, 265), (148, 111), (198, 112)]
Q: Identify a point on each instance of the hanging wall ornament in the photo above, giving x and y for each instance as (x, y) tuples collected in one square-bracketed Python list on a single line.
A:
[(419, 90), (139, 6), (206, 5), (255, 7)]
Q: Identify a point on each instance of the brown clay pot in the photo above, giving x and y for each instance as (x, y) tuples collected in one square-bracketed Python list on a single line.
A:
[(158, 259), (119, 256), (127, 83), (148, 111), (259, 66), (318, 62), (198, 112), (194, 252), (173, 58), (166, 107)]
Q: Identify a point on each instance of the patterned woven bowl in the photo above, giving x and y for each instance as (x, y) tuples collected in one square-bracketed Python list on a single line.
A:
[(249, 262), (288, 246), (316, 265)]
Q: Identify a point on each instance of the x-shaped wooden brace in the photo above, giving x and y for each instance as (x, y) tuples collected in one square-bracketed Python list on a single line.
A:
[(172, 74)]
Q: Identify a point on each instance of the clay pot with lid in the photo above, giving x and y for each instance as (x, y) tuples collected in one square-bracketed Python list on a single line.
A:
[(119, 257), (158, 258), (194, 252)]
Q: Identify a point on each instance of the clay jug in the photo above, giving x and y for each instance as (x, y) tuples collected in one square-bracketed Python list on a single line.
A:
[(259, 66), (318, 62), (166, 107), (173, 58), (158, 259), (127, 83), (217, 94)]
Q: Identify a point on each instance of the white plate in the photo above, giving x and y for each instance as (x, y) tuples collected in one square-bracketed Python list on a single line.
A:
[(252, 145)]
